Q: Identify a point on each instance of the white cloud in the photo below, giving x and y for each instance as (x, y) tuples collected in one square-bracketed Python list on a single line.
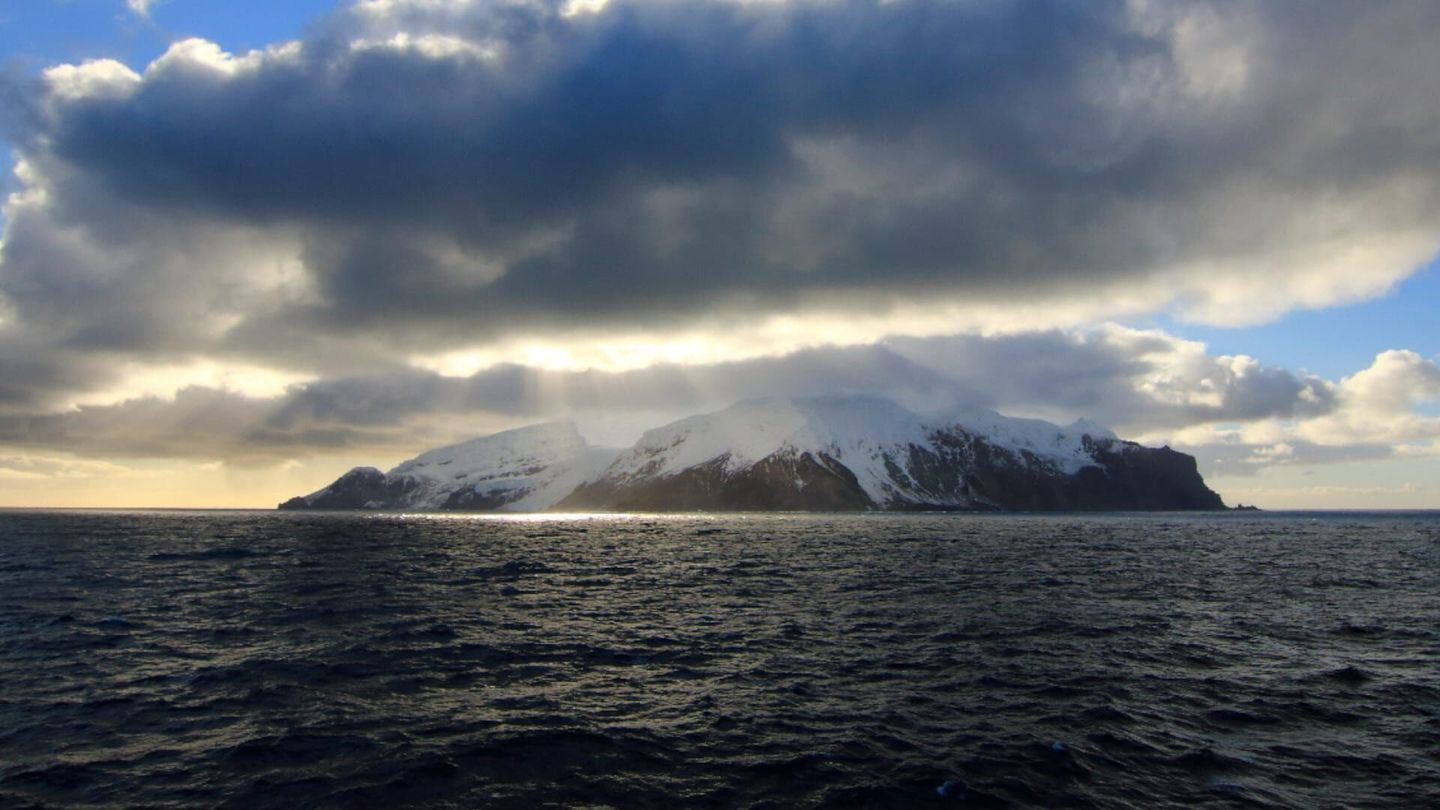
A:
[(95, 78), (1376, 413), (136, 381), (1378, 404), (439, 47)]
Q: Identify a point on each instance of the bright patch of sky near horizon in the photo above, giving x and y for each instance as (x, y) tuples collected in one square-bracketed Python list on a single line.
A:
[(1333, 342)]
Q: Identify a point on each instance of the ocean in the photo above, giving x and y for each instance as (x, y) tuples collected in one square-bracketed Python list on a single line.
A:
[(260, 659)]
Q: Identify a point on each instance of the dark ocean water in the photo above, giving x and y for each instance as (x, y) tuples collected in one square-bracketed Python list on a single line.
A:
[(255, 660)]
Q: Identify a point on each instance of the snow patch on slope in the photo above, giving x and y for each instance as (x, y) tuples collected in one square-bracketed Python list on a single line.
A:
[(546, 492), (742, 434), (539, 464), (1063, 447)]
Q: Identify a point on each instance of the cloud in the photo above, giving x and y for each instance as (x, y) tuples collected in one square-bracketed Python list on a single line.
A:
[(1230, 455), (409, 410), (17, 467), (142, 7), (418, 177), (1372, 414), (1407, 495), (1142, 381), (1379, 402), (1237, 415)]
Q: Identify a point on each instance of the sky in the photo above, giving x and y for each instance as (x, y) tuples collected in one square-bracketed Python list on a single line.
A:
[(247, 246)]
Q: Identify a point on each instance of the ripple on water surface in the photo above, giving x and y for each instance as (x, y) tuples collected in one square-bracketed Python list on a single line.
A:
[(346, 660)]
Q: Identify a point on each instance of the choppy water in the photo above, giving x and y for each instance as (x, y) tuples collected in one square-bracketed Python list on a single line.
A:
[(288, 660)]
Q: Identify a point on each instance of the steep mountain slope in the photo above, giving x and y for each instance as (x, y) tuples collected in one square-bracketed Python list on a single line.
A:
[(527, 469)]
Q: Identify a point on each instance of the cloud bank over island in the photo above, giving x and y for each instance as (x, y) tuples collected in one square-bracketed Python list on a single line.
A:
[(1236, 414), (425, 210)]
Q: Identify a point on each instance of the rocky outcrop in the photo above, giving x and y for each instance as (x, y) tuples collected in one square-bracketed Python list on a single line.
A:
[(361, 488)]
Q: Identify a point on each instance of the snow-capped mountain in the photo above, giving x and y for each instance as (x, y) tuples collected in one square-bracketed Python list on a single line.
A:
[(869, 453), (816, 453), (522, 470)]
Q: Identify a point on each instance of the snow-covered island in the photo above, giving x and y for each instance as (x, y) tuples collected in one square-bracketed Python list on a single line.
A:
[(804, 454)]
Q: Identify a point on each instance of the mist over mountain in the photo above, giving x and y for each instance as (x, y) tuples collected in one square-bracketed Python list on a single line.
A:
[(841, 453)]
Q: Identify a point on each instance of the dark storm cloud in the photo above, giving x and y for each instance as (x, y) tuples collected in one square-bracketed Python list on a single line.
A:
[(34, 375), (436, 176)]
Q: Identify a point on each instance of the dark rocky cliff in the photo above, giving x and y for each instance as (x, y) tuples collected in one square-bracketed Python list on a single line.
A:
[(958, 471), (1127, 476)]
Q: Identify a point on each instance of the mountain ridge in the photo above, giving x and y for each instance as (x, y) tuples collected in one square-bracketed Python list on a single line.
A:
[(833, 453)]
